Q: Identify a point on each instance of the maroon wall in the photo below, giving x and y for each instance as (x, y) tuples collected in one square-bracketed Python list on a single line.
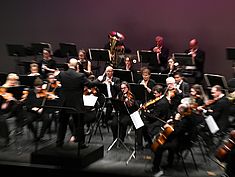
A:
[(87, 23)]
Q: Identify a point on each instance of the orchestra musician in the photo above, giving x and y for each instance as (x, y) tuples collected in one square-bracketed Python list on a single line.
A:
[(162, 53), (85, 63), (34, 70), (113, 88), (47, 64), (173, 96), (218, 108), (198, 57), (36, 98), (154, 114), (181, 85), (127, 97), (147, 82), (10, 107), (184, 131), (172, 67)]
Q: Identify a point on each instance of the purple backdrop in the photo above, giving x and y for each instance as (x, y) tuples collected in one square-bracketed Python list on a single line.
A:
[(87, 23)]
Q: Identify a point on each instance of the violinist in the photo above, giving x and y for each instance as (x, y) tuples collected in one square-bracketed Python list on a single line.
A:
[(10, 107), (37, 97), (154, 113), (52, 86), (173, 96), (127, 97), (181, 85), (184, 131), (218, 108)]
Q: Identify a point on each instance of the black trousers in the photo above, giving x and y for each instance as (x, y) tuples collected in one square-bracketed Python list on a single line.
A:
[(78, 128), (124, 121)]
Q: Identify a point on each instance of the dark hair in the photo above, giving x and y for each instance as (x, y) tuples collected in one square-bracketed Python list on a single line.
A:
[(158, 88)]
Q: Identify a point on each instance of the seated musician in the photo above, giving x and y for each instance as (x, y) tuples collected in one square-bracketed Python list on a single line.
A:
[(173, 96), (5, 109), (154, 113), (34, 70), (113, 87), (147, 82), (90, 111), (127, 97), (184, 131), (85, 63), (10, 106), (171, 67), (37, 98), (181, 85), (218, 109)]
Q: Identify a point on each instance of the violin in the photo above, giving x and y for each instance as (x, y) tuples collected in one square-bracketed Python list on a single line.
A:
[(147, 104), (47, 95), (222, 151), (7, 96), (90, 91), (55, 84)]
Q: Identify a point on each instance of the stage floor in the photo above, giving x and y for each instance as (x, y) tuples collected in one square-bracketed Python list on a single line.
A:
[(17, 158)]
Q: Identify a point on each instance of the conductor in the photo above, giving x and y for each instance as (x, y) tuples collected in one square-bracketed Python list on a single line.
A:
[(72, 97)]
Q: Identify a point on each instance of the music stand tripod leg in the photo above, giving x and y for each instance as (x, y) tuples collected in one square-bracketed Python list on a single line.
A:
[(118, 140), (133, 154)]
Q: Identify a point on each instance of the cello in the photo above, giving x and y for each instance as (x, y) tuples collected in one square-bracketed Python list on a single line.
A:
[(223, 150)]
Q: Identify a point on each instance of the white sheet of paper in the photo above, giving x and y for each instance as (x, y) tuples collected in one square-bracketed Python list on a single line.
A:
[(89, 100), (212, 124), (136, 119)]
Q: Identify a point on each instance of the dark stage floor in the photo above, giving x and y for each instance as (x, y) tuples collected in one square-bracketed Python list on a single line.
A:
[(17, 159)]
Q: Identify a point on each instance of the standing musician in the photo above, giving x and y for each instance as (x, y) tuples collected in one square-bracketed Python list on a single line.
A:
[(154, 113), (127, 97), (184, 129), (147, 82)]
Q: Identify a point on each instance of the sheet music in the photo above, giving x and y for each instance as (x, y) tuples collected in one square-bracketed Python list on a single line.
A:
[(136, 119), (212, 124), (89, 100)]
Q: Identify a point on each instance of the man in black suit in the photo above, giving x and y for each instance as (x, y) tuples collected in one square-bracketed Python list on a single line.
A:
[(198, 57), (113, 88), (162, 54), (182, 86), (72, 97)]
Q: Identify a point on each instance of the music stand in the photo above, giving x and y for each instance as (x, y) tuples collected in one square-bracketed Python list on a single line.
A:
[(39, 47), (3, 77), (146, 57), (119, 106), (183, 59), (27, 80), (159, 78), (230, 54), (137, 90), (68, 50), (101, 56), (16, 50), (17, 91), (124, 75)]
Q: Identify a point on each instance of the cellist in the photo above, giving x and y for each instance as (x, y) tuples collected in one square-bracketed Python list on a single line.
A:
[(184, 126)]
